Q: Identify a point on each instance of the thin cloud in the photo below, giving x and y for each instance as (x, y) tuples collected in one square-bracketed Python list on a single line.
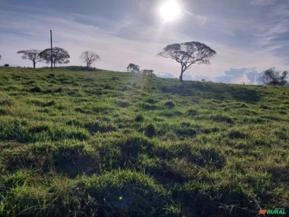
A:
[(263, 2), (250, 41)]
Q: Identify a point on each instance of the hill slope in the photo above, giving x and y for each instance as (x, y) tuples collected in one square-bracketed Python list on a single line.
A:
[(76, 143)]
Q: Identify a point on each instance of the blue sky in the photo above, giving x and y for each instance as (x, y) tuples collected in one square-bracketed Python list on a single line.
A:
[(248, 35)]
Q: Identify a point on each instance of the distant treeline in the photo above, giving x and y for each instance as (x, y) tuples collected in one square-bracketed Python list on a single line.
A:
[(186, 54)]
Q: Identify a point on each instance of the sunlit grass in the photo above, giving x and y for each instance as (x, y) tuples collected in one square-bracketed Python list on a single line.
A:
[(101, 143)]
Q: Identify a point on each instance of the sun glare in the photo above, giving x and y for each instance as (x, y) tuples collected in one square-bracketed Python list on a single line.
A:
[(170, 10)]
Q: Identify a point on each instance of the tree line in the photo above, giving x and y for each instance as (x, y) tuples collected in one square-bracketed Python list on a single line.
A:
[(185, 54), (56, 55)]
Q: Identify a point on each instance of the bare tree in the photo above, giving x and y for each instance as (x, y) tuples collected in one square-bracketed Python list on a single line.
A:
[(274, 77), (32, 55), (89, 57), (133, 68), (187, 54), (59, 56)]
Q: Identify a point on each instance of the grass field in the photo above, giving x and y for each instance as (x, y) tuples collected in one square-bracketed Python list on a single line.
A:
[(99, 143)]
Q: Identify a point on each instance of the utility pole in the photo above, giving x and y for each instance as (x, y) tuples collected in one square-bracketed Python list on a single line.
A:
[(51, 58)]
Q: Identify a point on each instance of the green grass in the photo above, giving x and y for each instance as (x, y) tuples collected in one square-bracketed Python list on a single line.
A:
[(100, 143)]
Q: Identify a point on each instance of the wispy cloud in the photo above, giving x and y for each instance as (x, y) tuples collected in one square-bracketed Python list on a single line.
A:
[(263, 2), (256, 38)]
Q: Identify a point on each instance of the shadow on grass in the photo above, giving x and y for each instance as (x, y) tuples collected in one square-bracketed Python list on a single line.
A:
[(214, 91)]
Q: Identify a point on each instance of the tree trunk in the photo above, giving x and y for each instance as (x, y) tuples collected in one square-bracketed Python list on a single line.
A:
[(34, 64), (181, 76), (183, 69)]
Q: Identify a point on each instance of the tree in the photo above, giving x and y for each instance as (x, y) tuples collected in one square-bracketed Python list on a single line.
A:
[(59, 56), (187, 54), (89, 57), (274, 77), (133, 68), (0, 56), (32, 55)]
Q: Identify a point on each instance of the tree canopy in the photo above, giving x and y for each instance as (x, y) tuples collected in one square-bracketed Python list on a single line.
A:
[(187, 54), (59, 56), (32, 55), (89, 57), (274, 77), (133, 68)]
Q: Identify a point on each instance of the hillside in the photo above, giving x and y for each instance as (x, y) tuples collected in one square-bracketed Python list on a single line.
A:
[(79, 143)]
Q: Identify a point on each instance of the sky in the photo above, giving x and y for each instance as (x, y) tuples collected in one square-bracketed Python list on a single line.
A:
[(249, 36)]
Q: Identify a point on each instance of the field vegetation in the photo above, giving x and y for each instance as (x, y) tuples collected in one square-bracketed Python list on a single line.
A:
[(83, 143)]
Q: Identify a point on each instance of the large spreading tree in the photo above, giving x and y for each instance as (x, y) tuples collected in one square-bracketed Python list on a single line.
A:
[(89, 57), (187, 54), (59, 56), (32, 55)]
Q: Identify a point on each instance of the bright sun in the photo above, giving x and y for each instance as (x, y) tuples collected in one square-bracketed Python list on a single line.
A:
[(170, 10)]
